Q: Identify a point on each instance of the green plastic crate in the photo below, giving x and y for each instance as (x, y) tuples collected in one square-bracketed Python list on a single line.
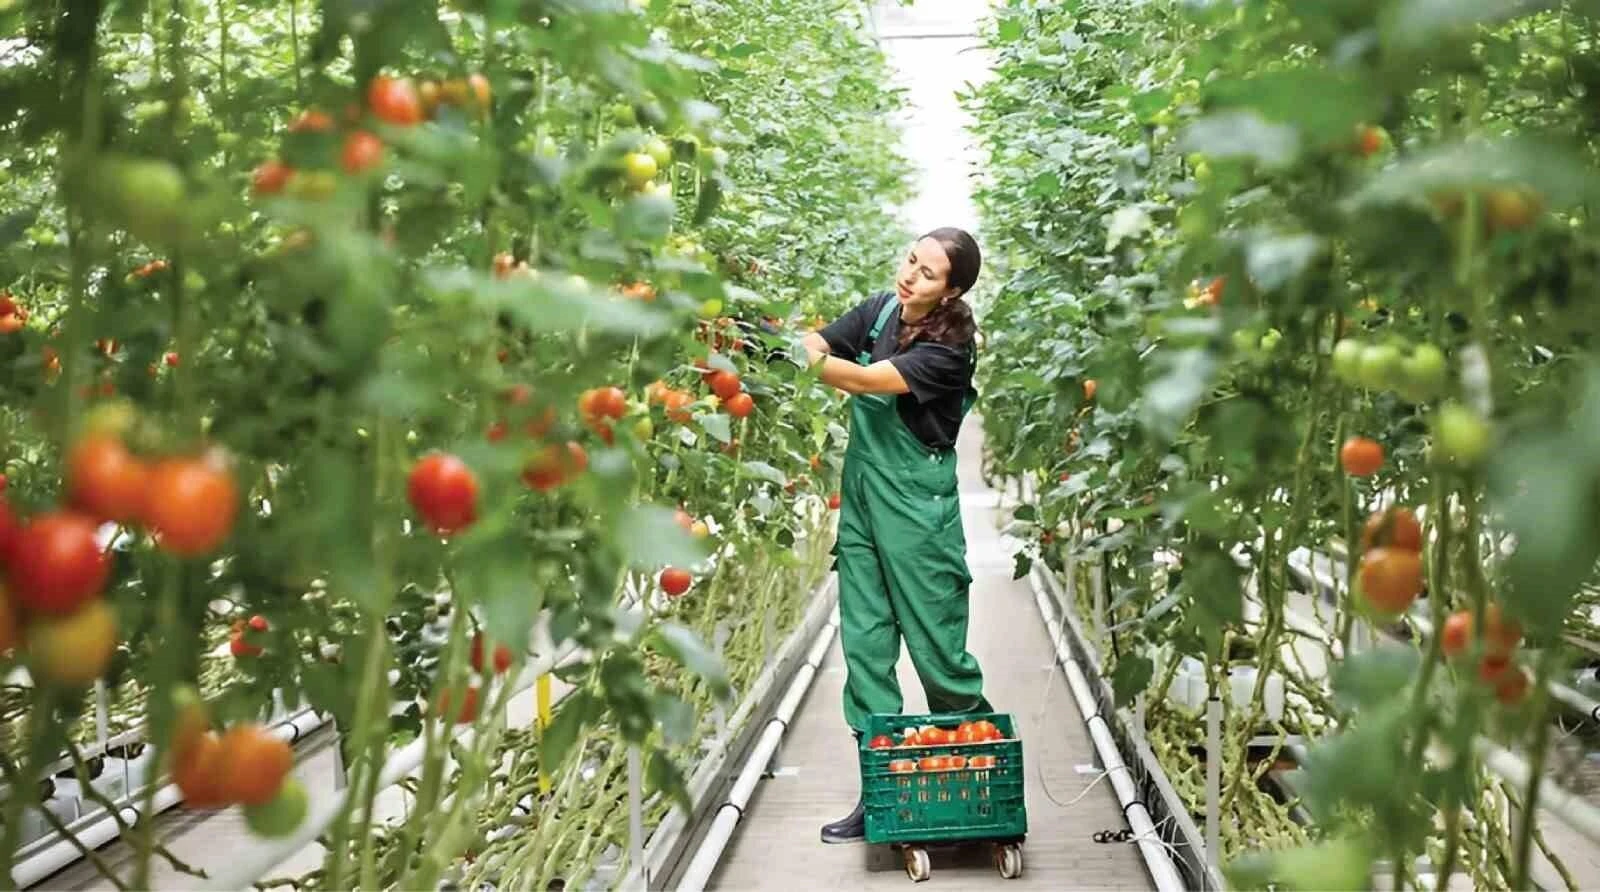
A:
[(942, 806)]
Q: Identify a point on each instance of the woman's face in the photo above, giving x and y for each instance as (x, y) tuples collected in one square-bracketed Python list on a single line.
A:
[(923, 281)]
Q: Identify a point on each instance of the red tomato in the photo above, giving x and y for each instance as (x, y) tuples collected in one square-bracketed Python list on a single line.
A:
[(955, 763), (271, 177), (311, 121), (741, 405), (1512, 687), (902, 766), (469, 706), (935, 737), (105, 479), (834, 501), (724, 384), (986, 730), (1090, 385), (73, 650), (677, 403), (362, 152), (981, 762), (1361, 457), (238, 646), (258, 623), (1397, 527), (395, 101), (1390, 579), (444, 492), (502, 656), (191, 505), (965, 734), (881, 742), (257, 764), (675, 581), (551, 468), (683, 519), (931, 763), (480, 88), (56, 564)]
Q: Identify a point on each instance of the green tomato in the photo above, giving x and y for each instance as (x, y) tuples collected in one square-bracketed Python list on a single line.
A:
[(283, 814), (1379, 365), (639, 169), (712, 308), (150, 195), (1425, 371), (1271, 340), (644, 428), (1202, 172), (657, 148), (1460, 436), (1245, 341), (1347, 360), (313, 185), (623, 115)]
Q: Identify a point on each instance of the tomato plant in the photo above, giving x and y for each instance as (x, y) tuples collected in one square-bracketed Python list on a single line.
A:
[(1134, 160)]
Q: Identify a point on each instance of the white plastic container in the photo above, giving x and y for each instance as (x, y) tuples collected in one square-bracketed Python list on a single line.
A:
[(1189, 688)]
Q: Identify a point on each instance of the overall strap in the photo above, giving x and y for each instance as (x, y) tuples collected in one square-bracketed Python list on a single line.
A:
[(883, 319), (877, 328)]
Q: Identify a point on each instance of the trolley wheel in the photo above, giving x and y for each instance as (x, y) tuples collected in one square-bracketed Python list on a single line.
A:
[(918, 867), (1008, 860)]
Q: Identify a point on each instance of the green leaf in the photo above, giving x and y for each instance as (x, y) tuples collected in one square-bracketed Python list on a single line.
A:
[(1171, 399), (685, 648), (663, 775), (1025, 512), (1242, 134), (653, 538), (1372, 678), (718, 425), (1024, 564), (1334, 865), (557, 738), (766, 472), (1275, 261), (1130, 677), (675, 717), (1554, 169)]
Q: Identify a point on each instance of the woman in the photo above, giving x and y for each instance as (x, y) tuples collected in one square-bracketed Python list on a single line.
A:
[(907, 359)]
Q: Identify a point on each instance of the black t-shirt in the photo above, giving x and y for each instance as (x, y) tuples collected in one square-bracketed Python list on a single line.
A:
[(939, 376)]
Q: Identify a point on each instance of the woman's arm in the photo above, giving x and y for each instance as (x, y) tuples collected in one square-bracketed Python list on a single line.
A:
[(814, 341), (880, 377)]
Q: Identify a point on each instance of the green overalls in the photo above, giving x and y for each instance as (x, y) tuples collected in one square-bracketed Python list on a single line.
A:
[(901, 555)]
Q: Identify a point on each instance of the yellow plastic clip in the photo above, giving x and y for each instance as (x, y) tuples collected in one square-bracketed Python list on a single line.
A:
[(542, 700)]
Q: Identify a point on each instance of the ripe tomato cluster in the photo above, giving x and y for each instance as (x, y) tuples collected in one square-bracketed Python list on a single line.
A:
[(55, 568), (1391, 564), (1496, 667), (982, 731), (245, 765), (240, 642)]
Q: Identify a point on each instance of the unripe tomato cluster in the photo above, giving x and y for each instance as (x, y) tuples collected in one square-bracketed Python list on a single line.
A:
[(245, 765), (1418, 373), (55, 567)]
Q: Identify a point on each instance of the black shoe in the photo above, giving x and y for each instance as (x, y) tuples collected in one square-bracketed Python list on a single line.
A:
[(851, 828)]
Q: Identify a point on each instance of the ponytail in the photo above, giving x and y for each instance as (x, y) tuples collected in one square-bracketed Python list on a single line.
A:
[(950, 324)]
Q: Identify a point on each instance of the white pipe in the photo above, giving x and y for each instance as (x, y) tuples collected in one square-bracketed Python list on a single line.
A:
[(252, 863), (1162, 871), (1572, 809), (716, 839), (102, 827), (666, 834), (1213, 777)]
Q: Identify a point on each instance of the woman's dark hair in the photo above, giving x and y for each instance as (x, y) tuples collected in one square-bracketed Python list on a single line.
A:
[(950, 323)]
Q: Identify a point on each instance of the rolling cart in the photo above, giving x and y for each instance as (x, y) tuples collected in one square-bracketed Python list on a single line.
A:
[(930, 780)]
